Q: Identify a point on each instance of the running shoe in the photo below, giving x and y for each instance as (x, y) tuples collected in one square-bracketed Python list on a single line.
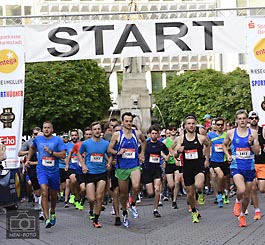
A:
[(72, 199), (96, 224), (77, 204), (156, 214), (220, 200), (201, 200), (52, 218), (174, 205), (226, 199), (48, 223), (112, 212), (257, 216), (41, 216), (160, 204), (125, 221), (81, 206), (242, 221), (165, 198), (194, 217), (246, 212), (237, 209), (91, 216), (103, 208), (66, 205), (117, 221), (135, 213)]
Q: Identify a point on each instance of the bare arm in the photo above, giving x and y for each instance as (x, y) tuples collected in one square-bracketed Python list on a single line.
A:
[(143, 146), (226, 145), (113, 141), (254, 142)]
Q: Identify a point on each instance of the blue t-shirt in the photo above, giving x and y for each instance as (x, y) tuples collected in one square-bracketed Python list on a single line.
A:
[(95, 158), (61, 161), (46, 162), (217, 154)]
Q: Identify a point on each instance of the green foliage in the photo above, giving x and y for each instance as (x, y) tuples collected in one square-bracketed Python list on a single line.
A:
[(201, 92), (71, 94)]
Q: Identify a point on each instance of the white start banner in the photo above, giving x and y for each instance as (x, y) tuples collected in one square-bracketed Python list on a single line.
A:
[(12, 78), (93, 40), (256, 64)]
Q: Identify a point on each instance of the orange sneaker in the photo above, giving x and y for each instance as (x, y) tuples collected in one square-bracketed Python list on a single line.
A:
[(97, 225), (257, 216), (242, 221), (237, 209)]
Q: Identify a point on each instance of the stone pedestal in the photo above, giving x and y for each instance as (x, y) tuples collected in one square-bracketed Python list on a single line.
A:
[(135, 98)]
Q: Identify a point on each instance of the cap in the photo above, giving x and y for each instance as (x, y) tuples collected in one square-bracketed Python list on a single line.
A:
[(207, 116), (253, 113), (65, 135), (163, 132)]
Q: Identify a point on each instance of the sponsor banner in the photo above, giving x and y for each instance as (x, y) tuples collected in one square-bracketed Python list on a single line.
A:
[(12, 72), (256, 63), (93, 40)]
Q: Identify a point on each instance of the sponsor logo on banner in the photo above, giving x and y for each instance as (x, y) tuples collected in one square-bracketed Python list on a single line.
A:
[(8, 61)]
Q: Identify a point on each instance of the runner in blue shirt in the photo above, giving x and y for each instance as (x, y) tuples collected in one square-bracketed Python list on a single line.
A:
[(50, 148)]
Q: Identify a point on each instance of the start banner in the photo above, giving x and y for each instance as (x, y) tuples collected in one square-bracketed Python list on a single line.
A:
[(256, 64), (12, 73), (127, 38)]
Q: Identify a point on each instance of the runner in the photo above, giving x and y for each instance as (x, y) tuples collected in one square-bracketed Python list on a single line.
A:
[(259, 181), (95, 170), (152, 172), (244, 143), (128, 162), (196, 150), (50, 148)]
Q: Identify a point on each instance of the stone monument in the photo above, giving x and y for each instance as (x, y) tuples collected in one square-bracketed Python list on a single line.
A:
[(135, 95)]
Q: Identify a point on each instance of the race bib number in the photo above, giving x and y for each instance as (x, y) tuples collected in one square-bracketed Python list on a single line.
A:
[(95, 157), (74, 159), (129, 154), (218, 148), (243, 153), (48, 161), (154, 158), (191, 154)]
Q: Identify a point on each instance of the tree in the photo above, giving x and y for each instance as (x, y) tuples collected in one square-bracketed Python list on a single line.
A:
[(204, 91), (71, 94)]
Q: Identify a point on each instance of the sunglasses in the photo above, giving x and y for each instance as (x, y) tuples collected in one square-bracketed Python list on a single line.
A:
[(219, 124), (252, 118)]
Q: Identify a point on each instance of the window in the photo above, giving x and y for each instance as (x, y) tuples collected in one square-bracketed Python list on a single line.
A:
[(242, 59)]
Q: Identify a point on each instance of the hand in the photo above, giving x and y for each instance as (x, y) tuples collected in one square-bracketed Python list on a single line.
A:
[(121, 151), (141, 158), (251, 140), (66, 168), (84, 169)]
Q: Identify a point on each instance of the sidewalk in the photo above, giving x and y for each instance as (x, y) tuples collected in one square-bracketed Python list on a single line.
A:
[(217, 226)]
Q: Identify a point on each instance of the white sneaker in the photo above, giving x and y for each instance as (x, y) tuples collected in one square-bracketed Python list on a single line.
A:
[(135, 213), (112, 212)]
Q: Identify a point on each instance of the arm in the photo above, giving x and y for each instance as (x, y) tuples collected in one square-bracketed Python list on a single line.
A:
[(143, 147), (67, 160), (82, 162), (226, 145), (206, 149), (112, 143), (254, 142), (179, 147)]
